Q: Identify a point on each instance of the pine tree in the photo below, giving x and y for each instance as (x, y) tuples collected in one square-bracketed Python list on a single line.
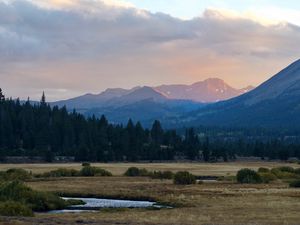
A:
[(157, 133), (2, 97), (43, 99)]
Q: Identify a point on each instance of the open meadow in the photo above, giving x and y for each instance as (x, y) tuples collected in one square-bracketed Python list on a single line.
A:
[(117, 169), (213, 202)]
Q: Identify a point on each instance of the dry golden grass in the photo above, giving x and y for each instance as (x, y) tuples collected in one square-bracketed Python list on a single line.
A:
[(208, 203), (213, 169)]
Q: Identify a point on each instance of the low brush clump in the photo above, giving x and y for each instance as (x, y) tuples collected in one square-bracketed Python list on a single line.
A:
[(62, 172), (285, 173), (136, 172), (247, 176), (86, 171), (184, 178), (19, 200), (13, 208), (91, 171), (265, 175), (15, 174)]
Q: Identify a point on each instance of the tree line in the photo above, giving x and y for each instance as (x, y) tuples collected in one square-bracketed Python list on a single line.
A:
[(32, 130)]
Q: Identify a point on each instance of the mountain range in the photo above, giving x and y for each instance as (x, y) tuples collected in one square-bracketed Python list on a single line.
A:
[(275, 103), (149, 103), (207, 91)]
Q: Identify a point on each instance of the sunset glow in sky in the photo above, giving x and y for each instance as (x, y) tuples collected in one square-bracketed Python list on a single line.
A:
[(71, 47)]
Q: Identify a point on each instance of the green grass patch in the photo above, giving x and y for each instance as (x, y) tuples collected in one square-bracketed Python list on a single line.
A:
[(13, 208)]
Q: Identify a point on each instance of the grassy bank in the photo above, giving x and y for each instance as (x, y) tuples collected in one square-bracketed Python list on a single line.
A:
[(208, 203)]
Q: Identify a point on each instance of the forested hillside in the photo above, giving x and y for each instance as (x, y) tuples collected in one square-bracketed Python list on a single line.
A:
[(44, 131)]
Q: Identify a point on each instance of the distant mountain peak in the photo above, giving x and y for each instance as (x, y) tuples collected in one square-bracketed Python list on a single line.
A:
[(209, 90), (145, 92)]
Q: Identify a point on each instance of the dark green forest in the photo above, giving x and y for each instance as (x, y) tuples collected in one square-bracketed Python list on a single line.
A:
[(38, 130)]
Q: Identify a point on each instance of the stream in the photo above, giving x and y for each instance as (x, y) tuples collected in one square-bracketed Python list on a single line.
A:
[(95, 204)]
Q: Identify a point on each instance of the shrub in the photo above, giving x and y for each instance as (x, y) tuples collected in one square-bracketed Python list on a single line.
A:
[(90, 171), (283, 174), (267, 177), (247, 176), (184, 178), (295, 184), (136, 172), (162, 175), (144, 173), (12, 208), (15, 174), (287, 169), (297, 171), (263, 170), (62, 172), (36, 200), (85, 164)]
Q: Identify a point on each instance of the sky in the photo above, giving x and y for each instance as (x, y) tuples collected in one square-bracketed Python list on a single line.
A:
[(71, 47)]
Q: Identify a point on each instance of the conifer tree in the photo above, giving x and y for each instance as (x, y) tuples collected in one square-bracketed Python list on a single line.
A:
[(2, 97)]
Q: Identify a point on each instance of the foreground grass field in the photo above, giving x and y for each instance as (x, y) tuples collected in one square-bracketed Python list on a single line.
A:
[(209, 203)]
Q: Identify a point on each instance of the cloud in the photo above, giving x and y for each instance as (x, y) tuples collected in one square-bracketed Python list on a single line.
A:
[(86, 46)]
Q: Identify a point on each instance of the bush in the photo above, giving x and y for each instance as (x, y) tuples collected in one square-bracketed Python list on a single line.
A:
[(287, 169), (85, 164), (136, 172), (86, 171), (247, 176), (295, 184), (90, 171), (162, 175), (297, 171), (263, 170), (283, 174), (184, 178), (62, 172), (15, 174), (267, 177), (35, 200), (11, 208)]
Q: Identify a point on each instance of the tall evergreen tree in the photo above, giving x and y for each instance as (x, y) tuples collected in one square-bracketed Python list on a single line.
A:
[(157, 133), (2, 97)]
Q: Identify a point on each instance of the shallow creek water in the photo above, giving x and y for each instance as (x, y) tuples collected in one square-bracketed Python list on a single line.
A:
[(94, 204)]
